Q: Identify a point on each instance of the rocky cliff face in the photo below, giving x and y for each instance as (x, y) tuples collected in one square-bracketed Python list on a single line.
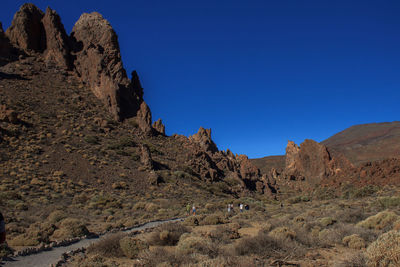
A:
[(26, 31), (312, 161), (57, 42), (92, 52)]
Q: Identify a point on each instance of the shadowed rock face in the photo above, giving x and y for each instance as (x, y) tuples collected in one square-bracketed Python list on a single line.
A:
[(5, 47), (57, 48), (26, 30)]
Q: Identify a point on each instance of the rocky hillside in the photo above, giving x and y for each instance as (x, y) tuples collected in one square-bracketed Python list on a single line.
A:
[(76, 135), (367, 142)]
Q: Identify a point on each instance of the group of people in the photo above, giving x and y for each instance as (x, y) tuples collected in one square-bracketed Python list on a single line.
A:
[(191, 209), (240, 205)]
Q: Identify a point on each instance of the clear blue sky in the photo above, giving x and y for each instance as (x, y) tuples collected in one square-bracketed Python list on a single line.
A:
[(259, 73)]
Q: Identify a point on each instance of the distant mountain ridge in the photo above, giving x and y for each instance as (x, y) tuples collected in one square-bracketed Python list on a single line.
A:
[(359, 144), (367, 142)]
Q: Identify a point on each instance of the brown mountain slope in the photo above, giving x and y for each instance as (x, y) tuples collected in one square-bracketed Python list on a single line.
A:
[(367, 142), (267, 163)]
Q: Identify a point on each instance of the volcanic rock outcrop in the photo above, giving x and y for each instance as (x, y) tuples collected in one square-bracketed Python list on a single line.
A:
[(57, 48), (159, 126), (92, 51), (312, 162), (203, 138), (26, 31)]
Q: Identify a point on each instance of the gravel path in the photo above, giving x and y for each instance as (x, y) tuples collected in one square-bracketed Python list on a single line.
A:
[(46, 258)]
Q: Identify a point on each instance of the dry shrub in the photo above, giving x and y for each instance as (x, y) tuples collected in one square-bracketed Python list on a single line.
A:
[(385, 251), (351, 260), (327, 221), (189, 244), (224, 233), (131, 246), (350, 215), (56, 216), (212, 219), (382, 220), (266, 246), (108, 246), (329, 237), (159, 256), (70, 227), (354, 241), (34, 235), (167, 234), (283, 233)]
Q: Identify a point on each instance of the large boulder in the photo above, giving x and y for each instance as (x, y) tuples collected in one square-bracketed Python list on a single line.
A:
[(26, 31), (57, 48)]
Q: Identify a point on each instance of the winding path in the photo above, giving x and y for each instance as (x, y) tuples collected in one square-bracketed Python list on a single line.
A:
[(46, 258)]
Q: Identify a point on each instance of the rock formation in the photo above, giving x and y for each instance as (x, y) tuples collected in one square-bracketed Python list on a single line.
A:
[(145, 158), (26, 31), (312, 162), (57, 48), (92, 51), (159, 126), (144, 118), (203, 138)]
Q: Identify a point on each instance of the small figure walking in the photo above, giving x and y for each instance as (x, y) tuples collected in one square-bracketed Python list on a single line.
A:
[(241, 207), (194, 210), (188, 209), (229, 208), (2, 229)]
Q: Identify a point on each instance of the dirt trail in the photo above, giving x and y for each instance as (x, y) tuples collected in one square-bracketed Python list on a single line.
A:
[(46, 258)]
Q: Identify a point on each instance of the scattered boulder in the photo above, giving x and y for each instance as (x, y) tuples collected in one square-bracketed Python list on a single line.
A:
[(144, 118), (159, 126), (203, 138), (26, 30), (57, 48), (8, 115), (145, 158)]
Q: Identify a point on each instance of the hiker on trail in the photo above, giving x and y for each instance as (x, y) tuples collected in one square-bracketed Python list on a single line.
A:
[(2, 229), (188, 209), (229, 208), (241, 207), (247, 207), (194, 210)]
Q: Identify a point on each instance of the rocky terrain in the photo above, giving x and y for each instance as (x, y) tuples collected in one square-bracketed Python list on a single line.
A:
[(76, 135), (81, 154)]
